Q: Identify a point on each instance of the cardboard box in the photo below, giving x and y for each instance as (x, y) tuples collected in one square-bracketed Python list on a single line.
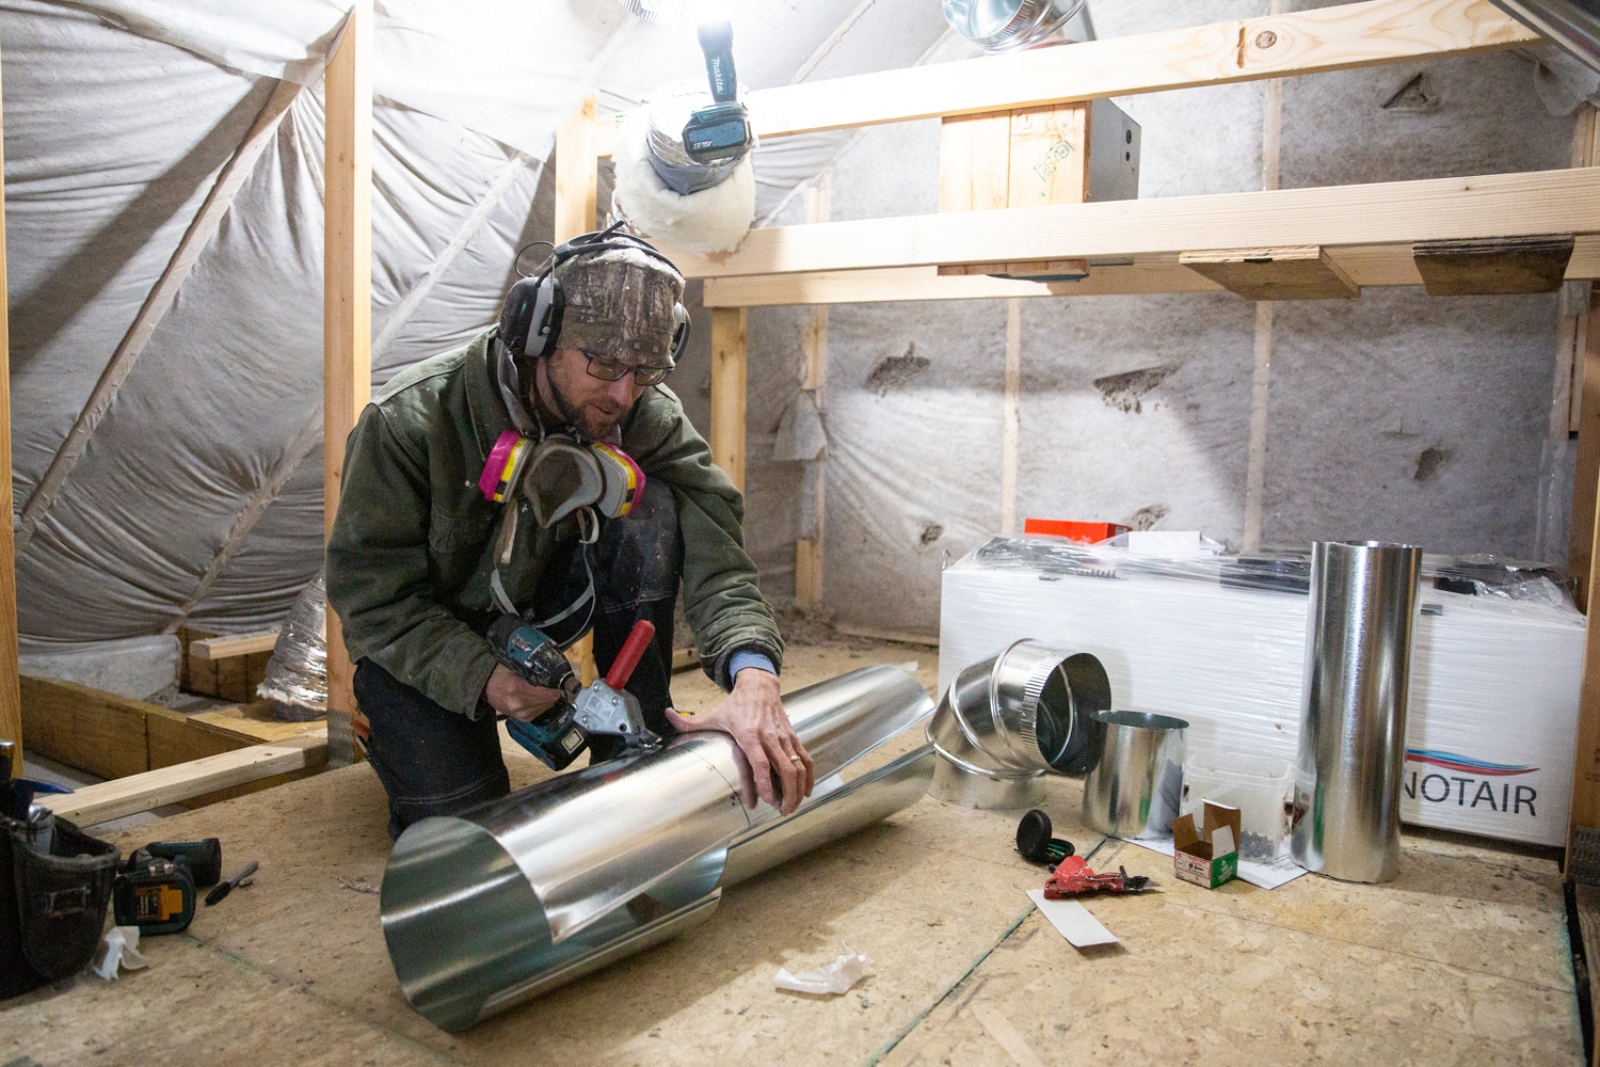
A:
[(1207, 858), (1085, 533)]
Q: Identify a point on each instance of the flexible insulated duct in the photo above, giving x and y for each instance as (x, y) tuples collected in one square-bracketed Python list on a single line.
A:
[(501, 904)]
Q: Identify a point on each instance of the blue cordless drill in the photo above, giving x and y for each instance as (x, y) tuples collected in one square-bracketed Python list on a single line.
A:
[(561, 734)]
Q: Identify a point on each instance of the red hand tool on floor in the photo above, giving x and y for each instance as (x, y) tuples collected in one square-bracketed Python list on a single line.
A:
[(1073, 878)]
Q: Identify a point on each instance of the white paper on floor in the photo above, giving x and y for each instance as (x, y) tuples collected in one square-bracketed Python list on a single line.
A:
[(1072, 920), (119, 945), (836, 977), (1265, 875)]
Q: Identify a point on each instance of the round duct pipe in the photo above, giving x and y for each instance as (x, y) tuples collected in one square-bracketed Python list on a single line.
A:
[(1008, 25), (1008, 720), (489, 908)]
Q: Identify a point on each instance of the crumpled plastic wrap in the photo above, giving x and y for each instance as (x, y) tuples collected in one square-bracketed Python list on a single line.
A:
[(119, 946), (297, 674), (832, 978)]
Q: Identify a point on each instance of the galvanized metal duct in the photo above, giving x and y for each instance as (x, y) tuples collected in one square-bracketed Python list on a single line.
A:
[(1008, 720), (488, 909), (1572, 24)]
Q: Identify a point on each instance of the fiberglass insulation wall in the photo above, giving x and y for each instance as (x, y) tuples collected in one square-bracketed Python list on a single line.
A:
[(1395, 416)]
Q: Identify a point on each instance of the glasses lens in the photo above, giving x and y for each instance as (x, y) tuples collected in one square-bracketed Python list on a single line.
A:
[(611, 370), (607, 370)]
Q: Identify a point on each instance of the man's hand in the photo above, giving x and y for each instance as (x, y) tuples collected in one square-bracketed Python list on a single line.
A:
[(515, 698), (753, 716)]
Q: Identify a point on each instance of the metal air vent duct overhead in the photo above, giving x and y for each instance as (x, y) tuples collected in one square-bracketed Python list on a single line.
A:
[(1572, 24), (1009, 25)]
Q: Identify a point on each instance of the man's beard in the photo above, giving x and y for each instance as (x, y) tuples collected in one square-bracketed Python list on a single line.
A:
[(574, 416)]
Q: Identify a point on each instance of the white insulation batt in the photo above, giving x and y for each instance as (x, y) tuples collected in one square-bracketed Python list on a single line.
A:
[(119, 115)]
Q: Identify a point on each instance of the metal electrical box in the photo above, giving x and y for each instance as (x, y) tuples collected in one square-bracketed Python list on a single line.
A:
[(1113, 153)]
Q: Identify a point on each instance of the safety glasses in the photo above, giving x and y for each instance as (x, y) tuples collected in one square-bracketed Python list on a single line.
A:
[(611, 370)]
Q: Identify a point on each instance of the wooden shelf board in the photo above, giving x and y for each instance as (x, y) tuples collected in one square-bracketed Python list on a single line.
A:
[(1329, 39), (1368, 266)]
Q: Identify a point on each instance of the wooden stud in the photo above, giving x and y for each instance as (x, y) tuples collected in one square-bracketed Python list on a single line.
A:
[(1586, 467), (10, 689), (1302, 273), (169, 785), (809, 552), (347, 313), (101, 733), (728, 328), (1011, 431), (1049, 156), (1385, 213), (974, 163), (1326, 39), (577, 179), (225, 645), (1494, 265)]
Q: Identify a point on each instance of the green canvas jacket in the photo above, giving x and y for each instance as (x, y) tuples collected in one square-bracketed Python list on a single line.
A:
[(412, 547)]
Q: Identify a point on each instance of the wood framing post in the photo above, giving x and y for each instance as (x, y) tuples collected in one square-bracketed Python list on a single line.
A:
[(808, 551), (577, 178), (728, 391), (10, 691), (346, 314)]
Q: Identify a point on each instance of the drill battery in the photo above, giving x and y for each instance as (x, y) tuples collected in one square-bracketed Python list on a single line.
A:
[(155, 894)]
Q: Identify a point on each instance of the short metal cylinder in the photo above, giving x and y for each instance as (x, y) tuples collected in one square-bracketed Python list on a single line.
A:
[(1353, 710), (1135, 778)]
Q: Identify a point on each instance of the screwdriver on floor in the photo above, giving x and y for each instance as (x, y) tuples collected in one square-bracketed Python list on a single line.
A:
[(224, 888)]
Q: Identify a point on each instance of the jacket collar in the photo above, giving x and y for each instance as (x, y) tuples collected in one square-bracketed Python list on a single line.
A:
[(487, 410)]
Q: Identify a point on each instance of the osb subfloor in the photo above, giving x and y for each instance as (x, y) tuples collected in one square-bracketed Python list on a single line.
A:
[(1463, 960)]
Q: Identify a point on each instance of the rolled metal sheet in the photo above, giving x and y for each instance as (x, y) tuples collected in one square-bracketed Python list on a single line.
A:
[(484, 910), (1353, 711)]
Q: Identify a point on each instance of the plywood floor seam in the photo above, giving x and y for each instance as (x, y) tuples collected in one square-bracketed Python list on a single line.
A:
[(922, 1016)]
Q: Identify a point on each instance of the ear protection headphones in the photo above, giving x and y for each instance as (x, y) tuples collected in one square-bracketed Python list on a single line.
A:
[(530, 317)]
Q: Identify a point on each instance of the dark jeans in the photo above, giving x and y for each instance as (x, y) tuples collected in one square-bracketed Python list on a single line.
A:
[(433, 761)]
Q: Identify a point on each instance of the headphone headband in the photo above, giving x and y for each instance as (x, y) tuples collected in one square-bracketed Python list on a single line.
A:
[(530, 318)]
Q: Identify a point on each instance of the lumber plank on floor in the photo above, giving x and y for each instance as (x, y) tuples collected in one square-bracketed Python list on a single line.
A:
[(89, 729)]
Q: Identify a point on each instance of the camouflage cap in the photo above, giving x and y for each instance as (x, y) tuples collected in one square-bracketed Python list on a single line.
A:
[(620, 303)]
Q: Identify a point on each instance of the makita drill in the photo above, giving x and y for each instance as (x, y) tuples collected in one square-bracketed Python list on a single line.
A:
[(559, 735)]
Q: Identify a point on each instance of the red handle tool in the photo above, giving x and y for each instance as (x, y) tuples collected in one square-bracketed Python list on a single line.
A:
[(639, 638)]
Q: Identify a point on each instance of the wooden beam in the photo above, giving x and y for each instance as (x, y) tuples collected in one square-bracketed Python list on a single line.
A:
[(226, 645), (160, 299), (728, 391), (1387, 213), (10, 691), (577, 179), (347, 312), (1367, 265), (184, 781), (94, 731), (1494, 266), (1333, 38), (887, 635), (1304, 272), (809, 552)]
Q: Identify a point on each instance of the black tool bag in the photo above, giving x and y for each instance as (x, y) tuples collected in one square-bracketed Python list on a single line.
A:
[(52, 906)]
